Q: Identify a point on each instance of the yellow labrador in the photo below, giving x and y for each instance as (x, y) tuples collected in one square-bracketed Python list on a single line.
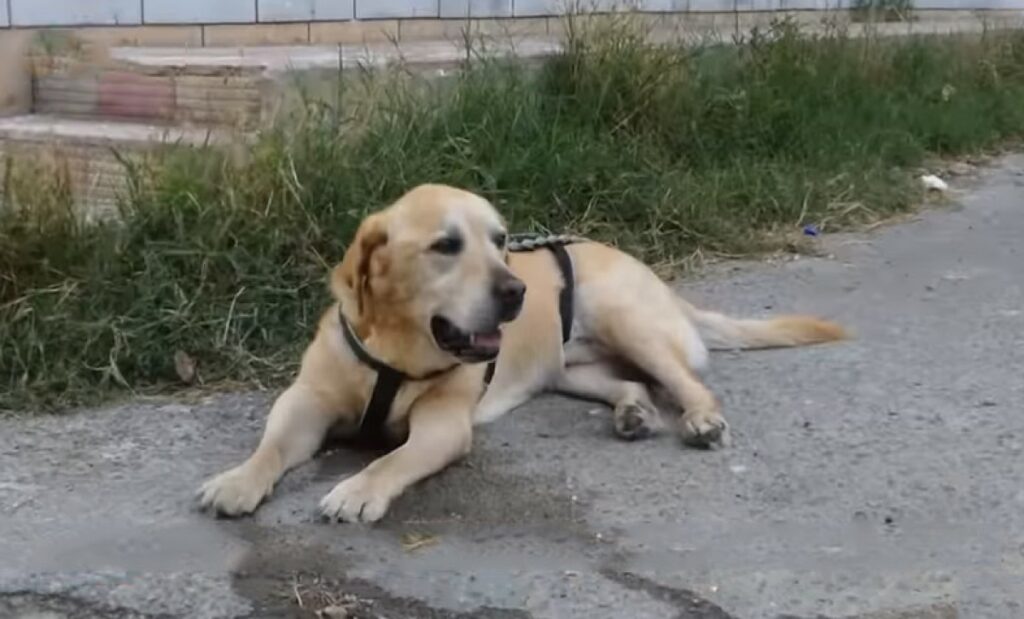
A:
[(428, 289)]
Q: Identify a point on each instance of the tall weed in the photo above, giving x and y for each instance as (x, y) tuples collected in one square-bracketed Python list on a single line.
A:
[(662, 150)]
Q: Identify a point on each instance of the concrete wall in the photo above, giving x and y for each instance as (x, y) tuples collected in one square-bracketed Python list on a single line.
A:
[(31, 13)]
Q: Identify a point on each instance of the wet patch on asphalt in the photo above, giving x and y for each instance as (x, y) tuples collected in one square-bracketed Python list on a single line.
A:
[(473, 501), (689, 604), (291, 578), (935, 611), (28, 604), (474, 498)]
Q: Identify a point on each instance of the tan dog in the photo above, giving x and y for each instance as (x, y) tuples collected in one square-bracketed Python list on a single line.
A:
[(426, 285)]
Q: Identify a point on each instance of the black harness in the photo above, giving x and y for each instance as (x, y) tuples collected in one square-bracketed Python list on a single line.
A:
[(518, 243), (390, 379)]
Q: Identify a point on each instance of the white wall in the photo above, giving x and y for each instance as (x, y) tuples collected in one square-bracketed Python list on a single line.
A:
[(134, 12), (59, 12), (305, 10)]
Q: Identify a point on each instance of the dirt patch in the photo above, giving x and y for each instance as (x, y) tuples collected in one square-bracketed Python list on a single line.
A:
[(27, 605), (288, 578)]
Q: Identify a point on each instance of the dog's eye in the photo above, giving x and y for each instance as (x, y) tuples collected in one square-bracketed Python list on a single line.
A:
[(449, 245), (500, 240)]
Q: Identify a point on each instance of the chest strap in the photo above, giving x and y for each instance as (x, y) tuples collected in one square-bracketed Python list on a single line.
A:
[(566, 296), (385, 388)]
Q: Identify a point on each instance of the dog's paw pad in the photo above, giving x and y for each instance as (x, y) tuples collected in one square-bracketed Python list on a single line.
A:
[(708, 429), (233, 493), (633, 422), (356, 499)]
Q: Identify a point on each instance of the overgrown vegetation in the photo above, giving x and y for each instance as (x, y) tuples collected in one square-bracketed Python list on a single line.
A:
[(882, 10), (662, 150)]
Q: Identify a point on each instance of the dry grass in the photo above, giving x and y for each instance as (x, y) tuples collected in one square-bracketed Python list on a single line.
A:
[(673, 153)]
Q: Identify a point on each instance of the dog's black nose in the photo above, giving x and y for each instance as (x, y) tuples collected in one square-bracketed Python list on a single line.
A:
[(509, 292)]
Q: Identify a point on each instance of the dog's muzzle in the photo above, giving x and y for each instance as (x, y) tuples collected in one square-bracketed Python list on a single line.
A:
[(482, 344), (509, 294)]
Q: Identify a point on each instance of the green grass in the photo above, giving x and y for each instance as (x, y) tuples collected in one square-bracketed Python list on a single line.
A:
[(664, 151), (882, 10)]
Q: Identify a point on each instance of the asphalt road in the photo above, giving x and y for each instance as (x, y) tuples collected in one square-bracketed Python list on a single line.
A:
[(880, 477)]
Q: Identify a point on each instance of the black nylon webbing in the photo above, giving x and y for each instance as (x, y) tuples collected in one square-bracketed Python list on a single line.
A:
[(489, 372), (385, 388), (359, 350), (565, 299), (375, 416)]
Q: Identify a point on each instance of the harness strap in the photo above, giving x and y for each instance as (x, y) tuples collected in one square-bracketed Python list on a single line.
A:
[(360, 351), (385, 388), (489, 372), (565, 297)]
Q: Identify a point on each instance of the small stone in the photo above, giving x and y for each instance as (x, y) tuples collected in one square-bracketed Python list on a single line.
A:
[(961, 168), (333, 612)]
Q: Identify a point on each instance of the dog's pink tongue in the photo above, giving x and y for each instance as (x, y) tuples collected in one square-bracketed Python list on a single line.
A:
[(487, 340)]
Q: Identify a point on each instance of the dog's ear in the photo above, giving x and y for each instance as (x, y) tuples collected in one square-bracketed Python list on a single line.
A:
[(354, 270)]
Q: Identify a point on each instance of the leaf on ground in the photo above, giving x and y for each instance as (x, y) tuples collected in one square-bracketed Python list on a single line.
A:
[(414, 541), (185, 367)]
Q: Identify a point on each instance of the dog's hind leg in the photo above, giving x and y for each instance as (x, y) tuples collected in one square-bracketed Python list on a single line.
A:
[(659, 349), (496, 403), (633, 414), (655, 336)]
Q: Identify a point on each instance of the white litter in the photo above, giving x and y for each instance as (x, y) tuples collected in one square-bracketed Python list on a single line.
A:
[(933, 183)]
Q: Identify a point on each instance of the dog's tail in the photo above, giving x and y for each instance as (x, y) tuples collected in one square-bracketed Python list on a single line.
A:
[(721, 332)]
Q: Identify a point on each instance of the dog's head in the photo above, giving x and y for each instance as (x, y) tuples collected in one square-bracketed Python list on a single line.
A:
[(433, 265)]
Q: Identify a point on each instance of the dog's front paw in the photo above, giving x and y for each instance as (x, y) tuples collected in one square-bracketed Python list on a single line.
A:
[(356, 499), (704, 429), (234, 492)]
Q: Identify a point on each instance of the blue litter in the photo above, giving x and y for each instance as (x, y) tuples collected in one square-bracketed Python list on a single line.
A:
[(811, 230)]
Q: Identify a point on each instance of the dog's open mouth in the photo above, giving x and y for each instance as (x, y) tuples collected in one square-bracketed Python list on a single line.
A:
[(468, 346)]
